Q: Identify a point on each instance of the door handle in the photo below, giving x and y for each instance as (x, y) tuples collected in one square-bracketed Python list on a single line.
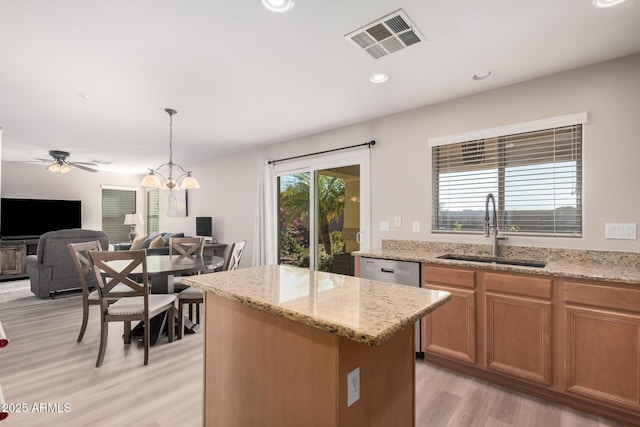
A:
[(359, 237)]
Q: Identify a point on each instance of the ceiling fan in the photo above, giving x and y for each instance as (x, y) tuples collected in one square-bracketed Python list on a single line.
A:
[(62, 165)]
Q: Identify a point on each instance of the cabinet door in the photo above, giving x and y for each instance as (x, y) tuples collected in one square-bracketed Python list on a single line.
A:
[(518, 337), (11, 260), (603, 355), (451, 329)]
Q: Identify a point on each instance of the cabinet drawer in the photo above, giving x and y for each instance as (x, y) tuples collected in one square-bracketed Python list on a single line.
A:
[(448, 276), (602, 296), (540, 287)]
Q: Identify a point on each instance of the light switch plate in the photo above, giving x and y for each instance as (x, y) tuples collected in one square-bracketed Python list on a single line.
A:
[(384, 225), (353, 386), (416, 226), (397, 221), (620, 231)]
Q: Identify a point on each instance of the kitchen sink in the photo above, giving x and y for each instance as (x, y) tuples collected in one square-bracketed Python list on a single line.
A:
[(494, 260)]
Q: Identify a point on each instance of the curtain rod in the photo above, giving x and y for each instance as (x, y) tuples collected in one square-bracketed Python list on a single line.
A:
[(369, 144)]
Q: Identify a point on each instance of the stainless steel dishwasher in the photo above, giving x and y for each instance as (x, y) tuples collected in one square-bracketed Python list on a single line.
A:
[(391, 271)]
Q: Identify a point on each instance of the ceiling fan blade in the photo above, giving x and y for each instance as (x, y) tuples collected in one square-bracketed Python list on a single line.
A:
[(46, 160), (79, 166), (84, 163)]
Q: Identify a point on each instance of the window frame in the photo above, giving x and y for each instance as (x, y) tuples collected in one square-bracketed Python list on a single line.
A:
[(500, 134)]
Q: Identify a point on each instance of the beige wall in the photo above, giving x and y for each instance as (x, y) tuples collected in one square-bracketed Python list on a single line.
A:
[(401, 161)]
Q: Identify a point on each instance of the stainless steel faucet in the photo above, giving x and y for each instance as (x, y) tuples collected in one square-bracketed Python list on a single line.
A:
[(495, 249)]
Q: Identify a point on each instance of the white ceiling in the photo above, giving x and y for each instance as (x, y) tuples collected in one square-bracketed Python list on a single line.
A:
[(241, 76)]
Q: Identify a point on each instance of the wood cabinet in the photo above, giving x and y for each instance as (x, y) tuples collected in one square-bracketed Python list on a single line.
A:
[(603, 343), (572, 341), (12, 258), (451, 330), (518, 326)]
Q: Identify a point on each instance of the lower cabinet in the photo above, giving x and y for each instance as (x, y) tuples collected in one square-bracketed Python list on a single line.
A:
[(603, 343), (450, 331), (571, 341), (12, 260), (518, 326)]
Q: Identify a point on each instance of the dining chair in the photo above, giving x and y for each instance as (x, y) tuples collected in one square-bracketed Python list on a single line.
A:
[(85, 273), (133, 305), (185, 246), (87, 280), (194, 297)]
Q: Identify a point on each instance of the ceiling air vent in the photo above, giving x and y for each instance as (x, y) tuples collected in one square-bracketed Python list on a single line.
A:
[(389, 34)]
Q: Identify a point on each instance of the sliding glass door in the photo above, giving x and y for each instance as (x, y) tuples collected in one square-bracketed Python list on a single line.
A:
[(322, 216)]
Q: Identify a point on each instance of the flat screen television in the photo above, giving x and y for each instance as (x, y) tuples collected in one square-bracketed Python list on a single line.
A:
[(31, 218), (204, 226)]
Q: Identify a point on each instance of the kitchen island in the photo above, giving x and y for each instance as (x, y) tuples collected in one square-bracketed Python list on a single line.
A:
[(280, 343)]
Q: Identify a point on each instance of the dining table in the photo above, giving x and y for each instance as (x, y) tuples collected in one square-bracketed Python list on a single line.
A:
[(161, 270)]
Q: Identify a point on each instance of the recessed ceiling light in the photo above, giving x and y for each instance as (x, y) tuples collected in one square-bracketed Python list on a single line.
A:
[(481, 75), (606, 3), (378, 77), (277, 5)]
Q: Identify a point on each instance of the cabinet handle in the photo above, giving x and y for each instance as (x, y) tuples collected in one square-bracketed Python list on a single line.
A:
[(387, 270)]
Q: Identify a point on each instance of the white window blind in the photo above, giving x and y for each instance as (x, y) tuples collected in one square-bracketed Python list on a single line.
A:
[(115, 204), (535, 176), (153, 211)]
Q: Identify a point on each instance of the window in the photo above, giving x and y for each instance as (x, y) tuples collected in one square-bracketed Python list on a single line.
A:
[(153, 211), (116, 202), (535, 177)]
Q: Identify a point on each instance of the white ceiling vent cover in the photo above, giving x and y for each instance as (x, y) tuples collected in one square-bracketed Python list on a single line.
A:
[(389, 34)]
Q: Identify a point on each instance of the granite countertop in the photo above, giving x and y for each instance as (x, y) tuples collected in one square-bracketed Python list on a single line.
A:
[(362, 310), (620, 267)]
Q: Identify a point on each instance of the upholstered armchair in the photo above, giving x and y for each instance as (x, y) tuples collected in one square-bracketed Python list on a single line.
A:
[(52, 269)]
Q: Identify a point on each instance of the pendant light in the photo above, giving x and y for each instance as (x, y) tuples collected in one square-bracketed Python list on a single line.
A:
[(156, 179)]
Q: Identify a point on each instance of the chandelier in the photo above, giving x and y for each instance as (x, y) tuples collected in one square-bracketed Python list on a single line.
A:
[(156, 179)]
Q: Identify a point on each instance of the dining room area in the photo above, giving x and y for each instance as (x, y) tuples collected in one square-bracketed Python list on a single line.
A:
[(46, 368)]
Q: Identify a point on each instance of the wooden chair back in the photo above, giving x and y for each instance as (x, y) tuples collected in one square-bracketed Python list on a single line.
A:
[(235, 254), (79, 254), (112, 268), (186, 246)]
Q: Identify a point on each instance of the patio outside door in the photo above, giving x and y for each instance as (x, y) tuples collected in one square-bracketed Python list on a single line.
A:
[(321, 215)]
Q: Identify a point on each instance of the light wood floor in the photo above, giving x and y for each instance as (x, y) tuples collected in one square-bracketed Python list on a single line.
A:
[(43, 364)]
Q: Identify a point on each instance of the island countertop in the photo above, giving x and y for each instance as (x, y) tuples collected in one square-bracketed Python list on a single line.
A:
[(361, 310)]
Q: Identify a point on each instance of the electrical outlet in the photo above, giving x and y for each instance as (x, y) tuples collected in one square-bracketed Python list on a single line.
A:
[(353, 386), (620, 231), (397, 221), (416, 226), (384, 225)]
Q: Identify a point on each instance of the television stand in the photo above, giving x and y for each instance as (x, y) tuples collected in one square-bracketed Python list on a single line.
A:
[(12, 258)]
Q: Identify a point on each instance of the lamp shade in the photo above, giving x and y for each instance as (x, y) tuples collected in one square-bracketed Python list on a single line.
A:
[(133, 219), (130, 219), (151, 180), (54, 167), (189, 183)]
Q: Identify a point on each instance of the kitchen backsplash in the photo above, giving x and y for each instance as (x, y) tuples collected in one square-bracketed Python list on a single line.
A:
[(518, 252)]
